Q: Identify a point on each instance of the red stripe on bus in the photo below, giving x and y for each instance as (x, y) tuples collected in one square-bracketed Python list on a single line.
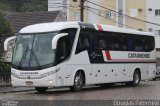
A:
[(99, 27), (108, 55)]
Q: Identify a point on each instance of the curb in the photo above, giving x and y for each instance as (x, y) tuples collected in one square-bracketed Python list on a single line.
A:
[(11, 89), (18, 91)]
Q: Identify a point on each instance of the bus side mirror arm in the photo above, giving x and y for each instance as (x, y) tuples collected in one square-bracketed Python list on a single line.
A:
[(56, 38), (6, 42)]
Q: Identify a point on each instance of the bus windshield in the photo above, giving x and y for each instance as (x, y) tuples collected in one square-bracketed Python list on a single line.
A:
[(33, 51)]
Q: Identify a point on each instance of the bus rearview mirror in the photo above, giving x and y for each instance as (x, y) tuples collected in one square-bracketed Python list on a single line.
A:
[(56, 38), (7, 41)]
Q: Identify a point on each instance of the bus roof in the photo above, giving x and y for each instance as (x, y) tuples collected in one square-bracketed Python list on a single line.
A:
[(48, 27), (56, 26)]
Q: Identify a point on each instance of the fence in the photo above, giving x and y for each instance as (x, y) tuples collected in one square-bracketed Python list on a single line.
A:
[(5, 78), (5, 74)]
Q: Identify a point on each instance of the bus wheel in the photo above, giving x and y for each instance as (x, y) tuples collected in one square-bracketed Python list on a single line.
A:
[(136, 79), (78, 82), (41, 89), (154, 79)]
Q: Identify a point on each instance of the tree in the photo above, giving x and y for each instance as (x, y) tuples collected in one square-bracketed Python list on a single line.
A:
[(5, 31), (29, 7), (24, 5)]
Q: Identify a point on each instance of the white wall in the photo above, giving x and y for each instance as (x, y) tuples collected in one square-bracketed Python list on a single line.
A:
[(153, 4), (157, 41), (56, 5), (93, 18)]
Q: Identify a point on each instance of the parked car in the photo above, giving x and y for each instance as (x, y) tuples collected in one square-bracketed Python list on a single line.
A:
[(157, 73)]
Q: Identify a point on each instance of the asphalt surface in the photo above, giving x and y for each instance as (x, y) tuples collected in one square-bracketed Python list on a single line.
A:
[(90, 96)]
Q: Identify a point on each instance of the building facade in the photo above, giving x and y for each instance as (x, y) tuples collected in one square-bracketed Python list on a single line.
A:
[(141, 15), (153, 15), (121, 13), (56, 5), (135, 14)]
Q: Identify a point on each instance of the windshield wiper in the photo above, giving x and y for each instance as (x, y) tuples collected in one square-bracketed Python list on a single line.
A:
[(36, 59), (23, 57)]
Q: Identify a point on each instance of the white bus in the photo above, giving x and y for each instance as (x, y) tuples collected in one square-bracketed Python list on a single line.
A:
[(75, 54)]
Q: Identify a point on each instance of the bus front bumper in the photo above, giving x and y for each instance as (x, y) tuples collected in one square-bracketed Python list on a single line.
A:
[(43, 82)]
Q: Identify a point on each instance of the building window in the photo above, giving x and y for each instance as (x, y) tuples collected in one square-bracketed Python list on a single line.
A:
[(120, 12), (157, 32), (149, 9), (73, 0), (76, 16), (133, 12), (140, 29), (109, 14), (150, 29), (157, 12), (139, 10)]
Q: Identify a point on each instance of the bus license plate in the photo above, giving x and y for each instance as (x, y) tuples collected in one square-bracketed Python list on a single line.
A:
[(29, 83)]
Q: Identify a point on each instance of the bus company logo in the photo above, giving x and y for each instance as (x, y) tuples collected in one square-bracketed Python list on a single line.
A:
[(94, 55), (28, 73)]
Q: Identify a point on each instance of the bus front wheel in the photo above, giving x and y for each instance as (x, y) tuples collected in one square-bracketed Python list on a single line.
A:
[(41, 89), (78, 82)]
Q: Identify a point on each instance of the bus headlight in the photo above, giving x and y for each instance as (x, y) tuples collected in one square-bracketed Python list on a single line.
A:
[(51, 82)]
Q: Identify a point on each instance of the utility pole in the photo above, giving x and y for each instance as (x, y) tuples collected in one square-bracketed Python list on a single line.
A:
[(82, 10)]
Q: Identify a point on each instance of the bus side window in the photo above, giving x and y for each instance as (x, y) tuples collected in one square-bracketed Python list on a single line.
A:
[(71, 34), (113, 40), (84, 41), (148, 44), (101, 40), (123, 42), (130, 42), (138, 44), (62, 52)]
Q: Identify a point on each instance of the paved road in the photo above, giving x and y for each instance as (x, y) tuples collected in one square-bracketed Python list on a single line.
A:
[(149, 90)]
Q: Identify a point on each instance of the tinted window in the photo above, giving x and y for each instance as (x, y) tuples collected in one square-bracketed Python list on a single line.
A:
[(129, 42), (62, 52), (64, 45), (101, 40), (148, 43), (71, 34), (138, 43), (123, 42), (143, 43), (113, 41), (95, 40), (85, 41)]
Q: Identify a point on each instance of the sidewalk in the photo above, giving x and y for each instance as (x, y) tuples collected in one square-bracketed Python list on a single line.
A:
[(10, 89)]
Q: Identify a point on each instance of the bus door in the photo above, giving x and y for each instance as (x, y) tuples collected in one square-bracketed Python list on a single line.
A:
[(97, 58), (83, 51), (62, 54)]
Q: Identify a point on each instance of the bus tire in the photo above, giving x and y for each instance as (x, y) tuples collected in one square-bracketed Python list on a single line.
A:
[(136, 79), (41, 89), (78, 82), (154, 79)]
